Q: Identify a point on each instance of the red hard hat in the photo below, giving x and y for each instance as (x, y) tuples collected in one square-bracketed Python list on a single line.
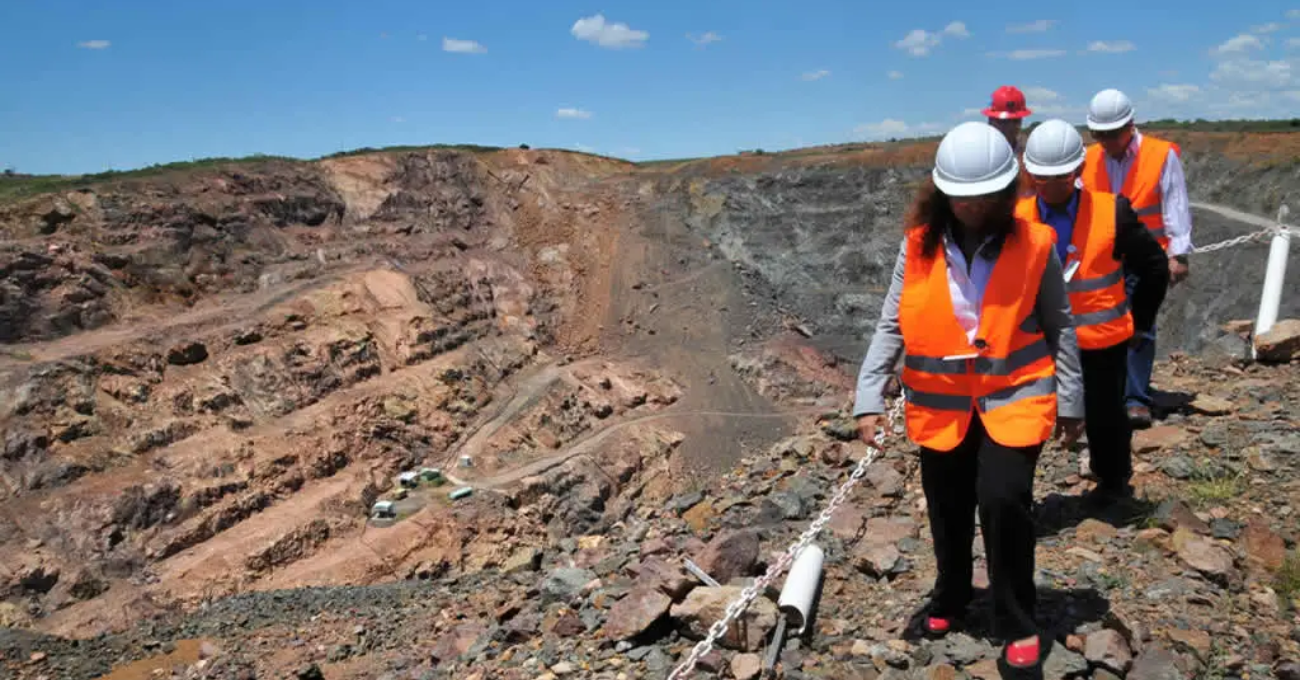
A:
[(1008, 102)]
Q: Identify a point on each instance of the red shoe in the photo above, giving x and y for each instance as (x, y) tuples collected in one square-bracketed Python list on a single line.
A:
[(1023, 655), (935, 625)]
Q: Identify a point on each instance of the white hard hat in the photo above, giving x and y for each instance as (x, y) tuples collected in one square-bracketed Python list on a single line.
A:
[(1109, 110), (974, 159), (1054, 148)]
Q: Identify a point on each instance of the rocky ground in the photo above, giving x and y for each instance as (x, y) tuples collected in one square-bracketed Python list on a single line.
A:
[(209, 378), (1199, 578)]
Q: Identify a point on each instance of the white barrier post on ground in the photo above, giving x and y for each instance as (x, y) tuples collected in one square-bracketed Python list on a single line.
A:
[(1274, 275), (800, 591)]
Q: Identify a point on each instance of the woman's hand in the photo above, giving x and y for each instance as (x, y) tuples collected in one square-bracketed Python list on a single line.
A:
[(1069, 430), (867, 426)]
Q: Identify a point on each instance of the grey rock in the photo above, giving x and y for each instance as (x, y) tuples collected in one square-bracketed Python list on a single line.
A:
[(1224, 528), (1155, 663), (565, 583), (1062, 663), (1178, 467), (791, 506), (657, 661), (1166, 589), (965, 650)]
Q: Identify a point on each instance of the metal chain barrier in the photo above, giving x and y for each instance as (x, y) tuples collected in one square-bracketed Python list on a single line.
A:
[(1256, 236), (774, 570)]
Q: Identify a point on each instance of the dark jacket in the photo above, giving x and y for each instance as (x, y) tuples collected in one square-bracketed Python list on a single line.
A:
[(1140, 253)]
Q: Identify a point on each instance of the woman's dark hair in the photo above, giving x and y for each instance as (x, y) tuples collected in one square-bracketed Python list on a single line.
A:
[(931, 211)]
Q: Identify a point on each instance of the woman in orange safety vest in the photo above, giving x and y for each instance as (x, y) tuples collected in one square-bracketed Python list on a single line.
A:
[(978, 312)]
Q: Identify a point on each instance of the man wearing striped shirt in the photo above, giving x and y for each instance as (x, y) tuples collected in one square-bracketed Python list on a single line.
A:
[(1149, 172)]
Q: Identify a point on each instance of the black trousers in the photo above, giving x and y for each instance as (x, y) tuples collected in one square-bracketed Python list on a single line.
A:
[(1110, 437), (1000, 481)]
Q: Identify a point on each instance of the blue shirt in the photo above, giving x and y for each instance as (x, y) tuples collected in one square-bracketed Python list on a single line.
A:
[(1062, 221)]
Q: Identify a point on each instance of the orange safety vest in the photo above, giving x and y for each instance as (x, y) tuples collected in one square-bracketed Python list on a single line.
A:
[(1007, 374), (1141, 185), (1098, 301)]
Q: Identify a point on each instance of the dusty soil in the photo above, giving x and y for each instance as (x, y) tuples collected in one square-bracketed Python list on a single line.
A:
[(207, 379)]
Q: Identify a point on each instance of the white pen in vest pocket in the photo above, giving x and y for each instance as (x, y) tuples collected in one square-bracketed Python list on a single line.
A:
[(1070, 252), (959, 357)]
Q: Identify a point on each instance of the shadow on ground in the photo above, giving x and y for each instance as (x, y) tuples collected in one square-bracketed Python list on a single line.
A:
[(1167, 403), (1060, 612), (1058, 512)]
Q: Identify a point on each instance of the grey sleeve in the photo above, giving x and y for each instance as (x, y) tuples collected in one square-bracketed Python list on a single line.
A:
[(886, 347), (1053, 310)]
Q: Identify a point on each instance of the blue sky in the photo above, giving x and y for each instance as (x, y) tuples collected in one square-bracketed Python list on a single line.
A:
[(97, 85)]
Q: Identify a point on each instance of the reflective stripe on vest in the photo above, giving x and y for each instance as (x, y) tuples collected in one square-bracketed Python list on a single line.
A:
[(1098, 302), (1008, 374), (1141, 184)]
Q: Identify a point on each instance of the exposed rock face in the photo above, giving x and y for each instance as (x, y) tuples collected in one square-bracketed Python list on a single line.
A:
[(553, 332)]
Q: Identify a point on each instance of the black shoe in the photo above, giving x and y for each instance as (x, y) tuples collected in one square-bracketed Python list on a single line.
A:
[(1139, 417)]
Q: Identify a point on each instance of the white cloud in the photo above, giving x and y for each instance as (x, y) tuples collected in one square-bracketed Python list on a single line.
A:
[(595, 30), (1174, 93), (1293, 14), (398, 119), (584, 148), (1021, 55), (1239, 43), (1040, 26), (890, 127), (956, 29), (1237, 101), (1248, 72), (462, 46), (1292, 94), (572, 113), (895, 75), (94, 45), (1111, 47), (705, 39), (422, 37), (815, 75), (1040, 94), (1270, 27), (919, 42), (1292, 43)]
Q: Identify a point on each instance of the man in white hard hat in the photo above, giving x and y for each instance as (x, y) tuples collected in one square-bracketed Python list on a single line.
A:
[(1099, 236), (977, 310), (1148, 171)]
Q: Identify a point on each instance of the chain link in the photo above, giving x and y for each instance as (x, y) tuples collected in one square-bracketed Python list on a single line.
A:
[(751, 592), (1256, 236)]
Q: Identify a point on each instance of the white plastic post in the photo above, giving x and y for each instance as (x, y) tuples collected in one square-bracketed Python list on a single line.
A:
[(1271, 297), (800, 590)]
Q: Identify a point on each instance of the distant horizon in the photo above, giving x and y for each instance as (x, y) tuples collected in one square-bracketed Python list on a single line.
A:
[(488, 148)]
